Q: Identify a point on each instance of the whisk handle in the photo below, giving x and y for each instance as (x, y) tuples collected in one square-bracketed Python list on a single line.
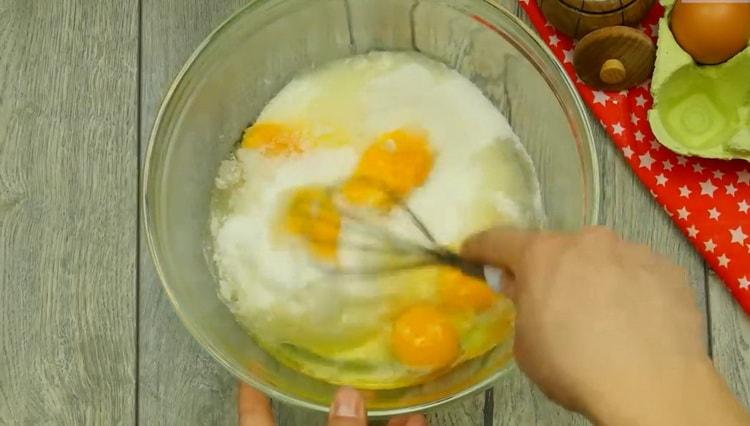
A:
[(472, 269), (492, 276)]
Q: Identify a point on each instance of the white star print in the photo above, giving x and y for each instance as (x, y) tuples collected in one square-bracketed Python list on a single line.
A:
[(697, 168), (634, 119), (683, 213), (723, 261), (730, 189), (653, 194), (714, 214), (692, 231), (681, 160), (685, 191), (654, 28), (568, 56), (743, 206), (617, 129), (645, 85), (550, 26), (738, 236), (667, 165), (627, 152), (708, 188), (744, 283), (600, 97), (661, 179), (710, 245), (640, 101), (554, 40), (743, 176), (639, 136), (718, 174), (654, 144), (646, 160)]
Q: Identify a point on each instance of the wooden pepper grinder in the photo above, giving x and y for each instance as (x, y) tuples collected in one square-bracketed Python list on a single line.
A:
[(611, 55)]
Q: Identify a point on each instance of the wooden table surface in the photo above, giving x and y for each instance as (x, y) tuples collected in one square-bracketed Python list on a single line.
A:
[(87, 336)]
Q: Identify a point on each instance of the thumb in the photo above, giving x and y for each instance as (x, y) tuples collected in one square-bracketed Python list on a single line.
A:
[(253, 408), (347, 409), (502, 247)]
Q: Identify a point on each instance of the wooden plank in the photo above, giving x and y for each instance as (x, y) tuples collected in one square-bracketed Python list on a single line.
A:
[(730, 339), (68, 166), (460, 413), (170, 32), (178, 381)]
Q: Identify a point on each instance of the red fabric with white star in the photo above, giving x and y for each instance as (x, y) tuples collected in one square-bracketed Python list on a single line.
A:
[(708, 199)]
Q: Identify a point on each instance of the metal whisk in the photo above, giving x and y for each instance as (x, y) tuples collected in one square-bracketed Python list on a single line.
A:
[(385, 249)]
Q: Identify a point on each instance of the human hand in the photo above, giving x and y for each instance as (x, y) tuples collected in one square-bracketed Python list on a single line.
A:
[(347, 409), (607, 328)]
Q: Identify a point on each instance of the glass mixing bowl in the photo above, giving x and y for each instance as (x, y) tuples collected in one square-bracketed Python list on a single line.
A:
[(250, 57)]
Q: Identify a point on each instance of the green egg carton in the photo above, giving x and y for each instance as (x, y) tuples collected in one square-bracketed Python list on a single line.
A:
[(700, 110)]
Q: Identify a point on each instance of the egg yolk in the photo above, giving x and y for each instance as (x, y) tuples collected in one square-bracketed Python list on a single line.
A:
[(390, 168), (312, 216), (461, 291), (423, 337), (273, 139)]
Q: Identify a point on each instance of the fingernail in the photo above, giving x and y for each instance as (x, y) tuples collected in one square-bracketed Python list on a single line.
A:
[(348, 403)]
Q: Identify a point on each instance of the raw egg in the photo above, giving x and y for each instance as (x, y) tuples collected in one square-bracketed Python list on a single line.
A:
[(461, 291), (423, 337), (273, 139), (312, 216), (390, 168), (711, 32)]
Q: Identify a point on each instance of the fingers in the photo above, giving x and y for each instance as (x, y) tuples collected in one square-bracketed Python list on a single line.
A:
[(502, 247), (253, 408), (347, 409), (412, 420)]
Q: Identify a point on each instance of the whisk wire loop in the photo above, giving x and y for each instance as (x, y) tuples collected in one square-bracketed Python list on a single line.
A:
[(388, 251)]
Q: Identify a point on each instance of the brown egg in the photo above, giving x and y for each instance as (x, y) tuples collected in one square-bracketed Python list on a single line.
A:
[(711, 32)]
